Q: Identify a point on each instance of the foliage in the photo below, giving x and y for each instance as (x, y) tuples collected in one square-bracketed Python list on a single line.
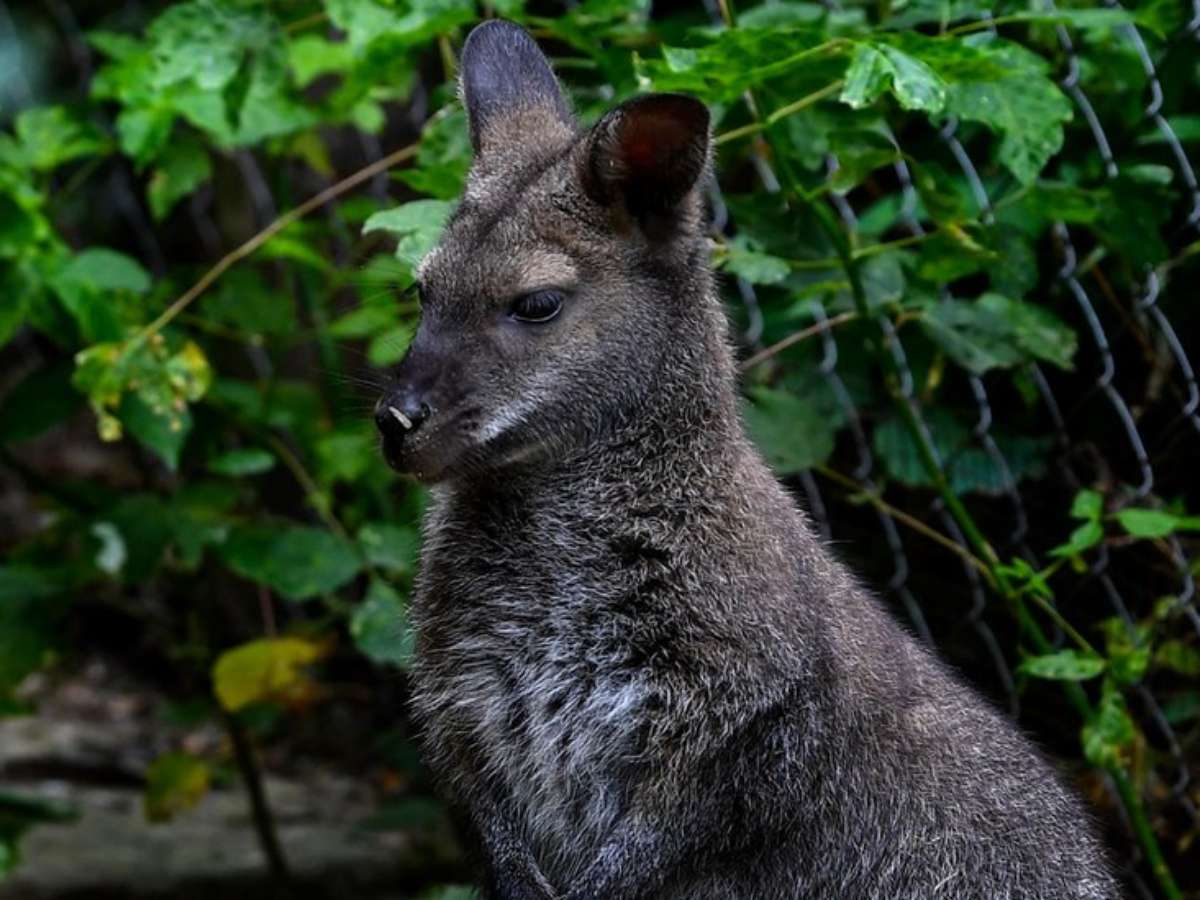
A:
[(226, 399)]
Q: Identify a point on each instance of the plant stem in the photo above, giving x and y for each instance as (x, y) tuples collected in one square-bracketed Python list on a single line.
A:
[(782, 113), (912, 522), (260, 809)]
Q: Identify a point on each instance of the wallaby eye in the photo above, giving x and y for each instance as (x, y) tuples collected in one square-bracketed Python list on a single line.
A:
[(540, 306)]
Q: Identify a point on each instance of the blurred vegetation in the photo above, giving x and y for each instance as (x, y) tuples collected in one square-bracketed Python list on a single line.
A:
[(210, 211)]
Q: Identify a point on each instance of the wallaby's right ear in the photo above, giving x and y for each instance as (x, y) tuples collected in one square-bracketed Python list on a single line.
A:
[(509, 89), (648, 153)]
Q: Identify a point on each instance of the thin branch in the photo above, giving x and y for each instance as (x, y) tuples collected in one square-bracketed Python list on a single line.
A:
[(782, 113), (301, 24), (246, 249), (911, 521), (1048, 608), (795, 338)]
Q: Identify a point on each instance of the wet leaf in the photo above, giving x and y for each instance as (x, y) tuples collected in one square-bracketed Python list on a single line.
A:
[(878, 68)]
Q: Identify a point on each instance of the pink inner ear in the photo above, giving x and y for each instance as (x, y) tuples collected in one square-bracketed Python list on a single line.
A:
[(640, 153), (647, 143)]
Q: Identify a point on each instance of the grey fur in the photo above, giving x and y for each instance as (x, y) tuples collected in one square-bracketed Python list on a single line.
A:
[(639, 672)]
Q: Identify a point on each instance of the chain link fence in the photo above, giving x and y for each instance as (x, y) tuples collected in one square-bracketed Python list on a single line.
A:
[(1137, 407)]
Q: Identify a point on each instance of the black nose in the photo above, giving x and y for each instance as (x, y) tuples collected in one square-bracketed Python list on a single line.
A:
[(400, 414)]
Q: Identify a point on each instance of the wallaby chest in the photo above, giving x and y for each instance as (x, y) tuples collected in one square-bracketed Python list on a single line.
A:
[(526, 677)]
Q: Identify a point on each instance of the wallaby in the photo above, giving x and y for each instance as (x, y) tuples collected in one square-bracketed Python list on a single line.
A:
[(639, 673)]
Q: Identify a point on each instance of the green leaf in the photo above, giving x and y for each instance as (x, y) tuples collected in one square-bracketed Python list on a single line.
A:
[(313, 55), (875, 68), (268, 669), (389, 346), (793, 435), (974, 470), (970, 467), (737, 59), (980, 78), (418, 225), (244, 461), (900, 452), (444, 157), (994, 331), (298, 563), (175, 782), (101, 269), (757, 268), (28, 621), (95, 287), (163, 383), (380, 626), (859, 152), (1087, 504), (204, 41), (1083, 538), (346, 454), (1065, 665), (1109, 729), (1127, 648), (1178, 657), (143, 133), (368, 23), (390, 547), (38, 403), (1182, 708), (1024, 106), (17, 292), (246, 301), (1151, 523), (162, 431), (366, 321), (50, 136), (180, 170)]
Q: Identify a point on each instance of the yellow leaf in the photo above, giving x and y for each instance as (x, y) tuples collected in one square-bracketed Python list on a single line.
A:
[(175, 782), (266, 669)]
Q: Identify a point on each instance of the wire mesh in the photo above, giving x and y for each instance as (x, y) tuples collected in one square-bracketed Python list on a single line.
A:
[(1168, 779)]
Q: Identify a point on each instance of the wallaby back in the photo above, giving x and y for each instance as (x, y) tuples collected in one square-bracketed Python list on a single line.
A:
[(639, 673)]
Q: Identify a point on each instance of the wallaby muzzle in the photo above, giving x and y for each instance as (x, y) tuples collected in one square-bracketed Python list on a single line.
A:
[(402, 412)]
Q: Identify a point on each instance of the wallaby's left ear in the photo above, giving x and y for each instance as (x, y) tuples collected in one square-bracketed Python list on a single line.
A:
[(509, 89), (648, 152)]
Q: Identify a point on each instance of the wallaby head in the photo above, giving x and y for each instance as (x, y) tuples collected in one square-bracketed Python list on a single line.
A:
[(558, 287)]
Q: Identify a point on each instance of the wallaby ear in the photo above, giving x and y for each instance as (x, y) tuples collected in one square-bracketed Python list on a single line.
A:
[(508, 87), (648, 152)]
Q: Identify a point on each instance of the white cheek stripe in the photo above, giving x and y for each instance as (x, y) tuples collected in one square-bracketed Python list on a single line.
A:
[(507, 417), (513, 414)]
